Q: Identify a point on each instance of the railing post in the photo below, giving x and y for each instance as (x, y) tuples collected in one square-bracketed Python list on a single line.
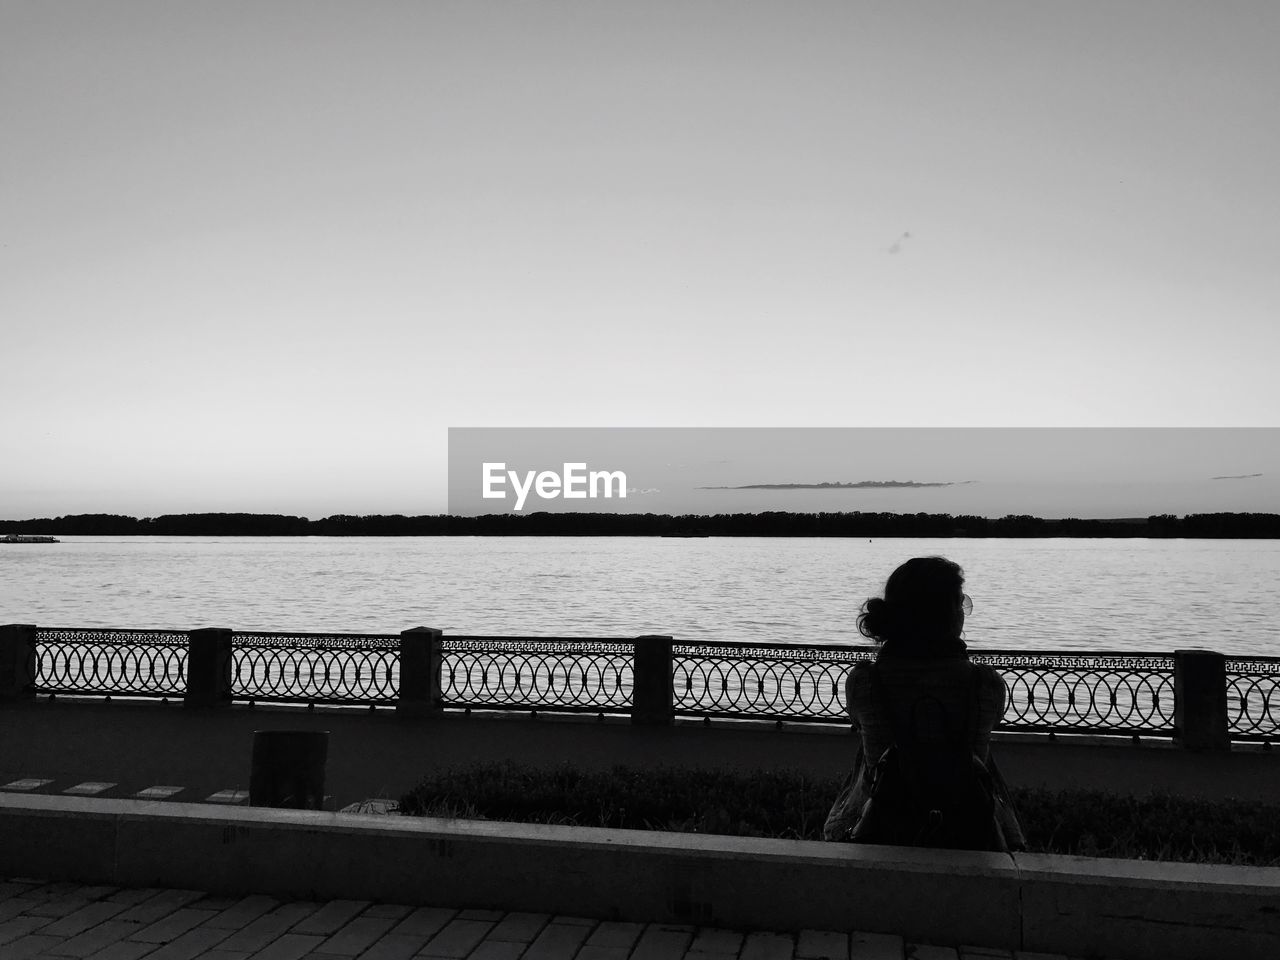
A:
[(1200, 700), (420, 662), (652, 698), (208, 668), (17, 661)]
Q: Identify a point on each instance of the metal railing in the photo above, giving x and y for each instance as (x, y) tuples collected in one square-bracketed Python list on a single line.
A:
[(337, 668), (124, 663), (1120, 693), (562, 674), (772, 681), (1253, 698), (1057, 692)]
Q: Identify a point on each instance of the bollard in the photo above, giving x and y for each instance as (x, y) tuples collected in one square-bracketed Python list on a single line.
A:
[(17, 661), (420, 665), (1200, 700), (208, 668), (652, 702), (288, 769)]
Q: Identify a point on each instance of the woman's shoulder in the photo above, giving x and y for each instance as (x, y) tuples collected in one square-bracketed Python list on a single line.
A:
[(988, 675), (858, 685), (991, 687)]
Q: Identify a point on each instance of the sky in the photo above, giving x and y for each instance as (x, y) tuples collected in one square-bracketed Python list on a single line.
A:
[(261, 256)]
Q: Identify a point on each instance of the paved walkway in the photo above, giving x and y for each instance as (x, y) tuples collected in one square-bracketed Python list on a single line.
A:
[(65, 920)]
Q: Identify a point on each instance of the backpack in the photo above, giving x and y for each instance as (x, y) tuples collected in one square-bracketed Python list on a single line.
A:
[(928, 788)]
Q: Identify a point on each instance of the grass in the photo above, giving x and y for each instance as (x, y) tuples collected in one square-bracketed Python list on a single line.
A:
[(790, 805)]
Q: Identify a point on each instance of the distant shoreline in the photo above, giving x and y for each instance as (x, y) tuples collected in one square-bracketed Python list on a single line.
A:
[(767, 524)]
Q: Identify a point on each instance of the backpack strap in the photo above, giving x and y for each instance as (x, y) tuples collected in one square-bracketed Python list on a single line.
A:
[(975, 706)]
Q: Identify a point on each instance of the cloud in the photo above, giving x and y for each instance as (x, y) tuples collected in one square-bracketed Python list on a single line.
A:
[(859, 485), (897, 244), (1238, 476)]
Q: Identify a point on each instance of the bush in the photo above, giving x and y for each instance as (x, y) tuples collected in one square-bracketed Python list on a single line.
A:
[(790, 805)]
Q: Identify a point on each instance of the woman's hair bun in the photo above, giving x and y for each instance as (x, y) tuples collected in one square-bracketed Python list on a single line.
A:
[(873, 621)]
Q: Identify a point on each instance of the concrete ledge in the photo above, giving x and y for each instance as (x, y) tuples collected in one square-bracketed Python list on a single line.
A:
[(1084, 906), (745, 883), (1068, 905)]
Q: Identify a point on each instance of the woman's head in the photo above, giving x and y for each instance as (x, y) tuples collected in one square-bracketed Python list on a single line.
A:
[(922, 604)]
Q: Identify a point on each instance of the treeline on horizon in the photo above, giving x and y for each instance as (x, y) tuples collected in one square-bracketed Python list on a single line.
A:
[(768, 524)]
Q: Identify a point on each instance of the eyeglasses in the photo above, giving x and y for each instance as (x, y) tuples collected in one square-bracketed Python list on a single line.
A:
[(966, 604)]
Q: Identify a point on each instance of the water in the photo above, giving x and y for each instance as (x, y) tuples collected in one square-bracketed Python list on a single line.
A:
[(1121, 595)]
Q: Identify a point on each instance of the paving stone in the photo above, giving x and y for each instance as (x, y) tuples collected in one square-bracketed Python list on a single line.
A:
[(589, 952), (519, 927), (700, 955), (356, 936), (217, 904), (96, 938), (242, 913), (716, 940), (90, 788), (54, 908), (17, 927), (393, 911), (26, 785), (663, 942), (89, 915), (875, 946), (227, 955), (131, 896), (291, 946), (557, 941), (458, 938), (923, 951), (191, 944), (768, 946), (1031, 955), (11, 888), (12, 907), (159, 792), (494, 915), (424, 922), (173, 926), (330, 917), (98, 892), (229, 797), (29, 946), (497, 950), (49, 891), (984, 953), (615, 934), (283, 919), (395, 946), (161, 905), (124, 950), (822, 945)]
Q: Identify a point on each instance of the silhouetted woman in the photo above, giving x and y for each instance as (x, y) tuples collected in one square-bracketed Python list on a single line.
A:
[(922, 677)]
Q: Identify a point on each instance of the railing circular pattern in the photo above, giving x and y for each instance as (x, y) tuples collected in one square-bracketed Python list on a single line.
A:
[(773, 681), (133, 663), (1253, 698), (552, 674), (1106, 693), (315, 668)]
